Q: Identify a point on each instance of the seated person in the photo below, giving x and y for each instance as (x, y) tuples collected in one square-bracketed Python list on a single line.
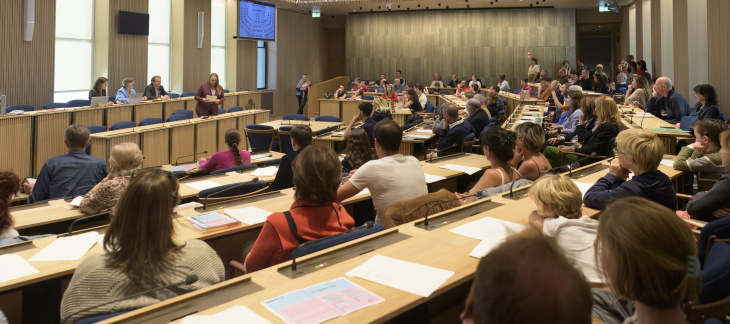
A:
[(226, 159), (9, 184), (155, 89), (100, 89), (453, 131), (340, 93), (142, 253), (621, 86), (706, 106), (314, 214), (559, 214), (437, 89), (126, 90), (574, 78), (475, 84), (713, 204), (478, 117), (600, 83), (502, 84), (492, 102), (359, 150), (667, 104), (545, 92), (499, 148), (124, 159), (437, 80), (571, 114), (357, 96), (460, 88), (649, 259), (381, 110), (410, 101), (538, 284), (381, 86), (393, 177), (595, 139), (365, 110), (421, 92), (398, 87), (525, 87), (639, 151), (454, 81), (389, 93), (301, 137), (359, 86), (703, 155), (528, 157), (556, 95), (542, 76), (70, 174), (585, 80)]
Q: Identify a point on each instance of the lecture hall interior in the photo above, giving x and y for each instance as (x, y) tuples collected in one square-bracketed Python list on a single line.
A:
[(466, 132)]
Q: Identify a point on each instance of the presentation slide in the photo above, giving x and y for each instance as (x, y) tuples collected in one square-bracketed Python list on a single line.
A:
[(257, 21)]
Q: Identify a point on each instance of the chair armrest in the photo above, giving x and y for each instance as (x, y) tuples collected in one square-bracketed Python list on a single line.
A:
[(684, 196), (694, 222), (237, 266)]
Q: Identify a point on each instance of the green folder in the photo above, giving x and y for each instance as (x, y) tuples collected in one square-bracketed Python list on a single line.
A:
[(670, 130)]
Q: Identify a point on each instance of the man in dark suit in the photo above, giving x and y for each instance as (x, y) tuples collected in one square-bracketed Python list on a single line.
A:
[(478, 117), (454, 130), (155, 89)]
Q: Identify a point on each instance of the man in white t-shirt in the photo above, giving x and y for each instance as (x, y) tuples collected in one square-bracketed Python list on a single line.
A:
[(421, 95), (393, 177), (560, 215)]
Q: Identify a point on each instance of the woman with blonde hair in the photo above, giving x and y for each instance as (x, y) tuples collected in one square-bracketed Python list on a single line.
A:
[(226, 159), (649, 258), (528, 159), (123, 159), (596, 140), (212, 87), (126, 90), (389, 93), (638, 92), (381, 109), (142, 253)]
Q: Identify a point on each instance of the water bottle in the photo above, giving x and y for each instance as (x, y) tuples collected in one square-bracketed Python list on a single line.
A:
[(538, 119)]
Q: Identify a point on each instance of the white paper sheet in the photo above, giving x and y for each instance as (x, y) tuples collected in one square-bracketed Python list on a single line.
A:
[(189, 205), (202, 185), (31, 180), (583, 187), (235, 314), (488, 228), (265, 172), (249, 215), (407, 276), (12, 266), (418, 136), (68, 248), (259, 157), (461, 168), (363, 192), (669, 163), (424, 131), (100, 240), (338, 133), (484, 247), (77, 201), (430, 178)]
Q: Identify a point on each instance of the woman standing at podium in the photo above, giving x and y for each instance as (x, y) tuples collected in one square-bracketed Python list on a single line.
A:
[(210, 88)]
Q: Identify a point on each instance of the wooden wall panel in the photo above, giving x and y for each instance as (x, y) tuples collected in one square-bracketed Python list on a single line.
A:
[(681, 49), (718, 12), (246, 65), (318, 90), (639, 31), (18, 143), (26, 68), (300, 46), (196, 61), (336, 49), (127, 53), (488, 43), (656, 39)]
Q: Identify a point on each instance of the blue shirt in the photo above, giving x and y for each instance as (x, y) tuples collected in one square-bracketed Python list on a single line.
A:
[(122, 95), (62, 174)]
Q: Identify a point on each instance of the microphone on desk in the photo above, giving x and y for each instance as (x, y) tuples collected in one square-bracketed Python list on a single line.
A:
[(544, 168), (190, 279), (295, 253), (441, 150), (205, 201), (570, 166), (425, 216), (178, 159)]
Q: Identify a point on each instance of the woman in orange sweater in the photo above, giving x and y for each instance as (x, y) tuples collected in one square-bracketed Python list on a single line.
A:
[(314, 213)]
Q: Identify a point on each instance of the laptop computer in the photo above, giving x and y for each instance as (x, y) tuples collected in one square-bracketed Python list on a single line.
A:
[(135, 98), (99, 101)]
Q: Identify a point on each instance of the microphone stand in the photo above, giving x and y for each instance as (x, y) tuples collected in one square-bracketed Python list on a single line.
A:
[(512, 185), (190, 279), (205, 201), (178, 159), (425, 216), (367, 225), (441, 150)]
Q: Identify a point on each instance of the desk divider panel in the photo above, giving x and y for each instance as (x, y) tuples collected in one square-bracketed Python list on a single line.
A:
[(182, 140), (350, 109), (170, 106), (231, 100), (243, 99), (118, 114), (223, 126), (17, 134), (190, 103), (330, 107), (262, 117), (206, 138), (155, 146), (89, 117), (147, 110), (50, 132)]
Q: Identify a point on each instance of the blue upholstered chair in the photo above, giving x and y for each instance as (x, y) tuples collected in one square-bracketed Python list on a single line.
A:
[(93, 130), (242, 189), (176, 117), (173, 95), (221, 111), (334, 240), (150, 121), (185, 112), (235, 108), (19, 107), (79, 103), (295, 117), (285, 139), (327, 119), (55, 105), (187, 94), (260, 137), (123, 125)]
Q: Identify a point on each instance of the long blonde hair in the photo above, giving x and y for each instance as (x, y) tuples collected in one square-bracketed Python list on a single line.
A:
[(217, 85), (643, 84), (607, 111), (124, 158)]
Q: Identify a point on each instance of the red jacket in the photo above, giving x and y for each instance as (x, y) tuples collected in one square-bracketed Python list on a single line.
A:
[(393, 97), (276, 240), (204, 108)]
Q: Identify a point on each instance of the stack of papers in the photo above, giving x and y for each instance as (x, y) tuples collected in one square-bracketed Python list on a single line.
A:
[(419, 136), (202, 185), (235, 314), (461, 168), (433, 178), (407, 276), (321, 302), (669, 163), (338, 133), (490, 231), (12, 266), (583, 187), (363, 192), (250, 215), (68, 248), (77, 201), (265, 172), (185, 168), (259, 157), (424, 131)]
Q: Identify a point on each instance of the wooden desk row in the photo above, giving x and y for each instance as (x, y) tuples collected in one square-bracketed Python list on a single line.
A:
[(164, 143), (437, 247), (36, 136), (668, 138)]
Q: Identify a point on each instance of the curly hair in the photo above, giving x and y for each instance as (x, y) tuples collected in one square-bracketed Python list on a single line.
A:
[(359, 148), (9, 184)]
